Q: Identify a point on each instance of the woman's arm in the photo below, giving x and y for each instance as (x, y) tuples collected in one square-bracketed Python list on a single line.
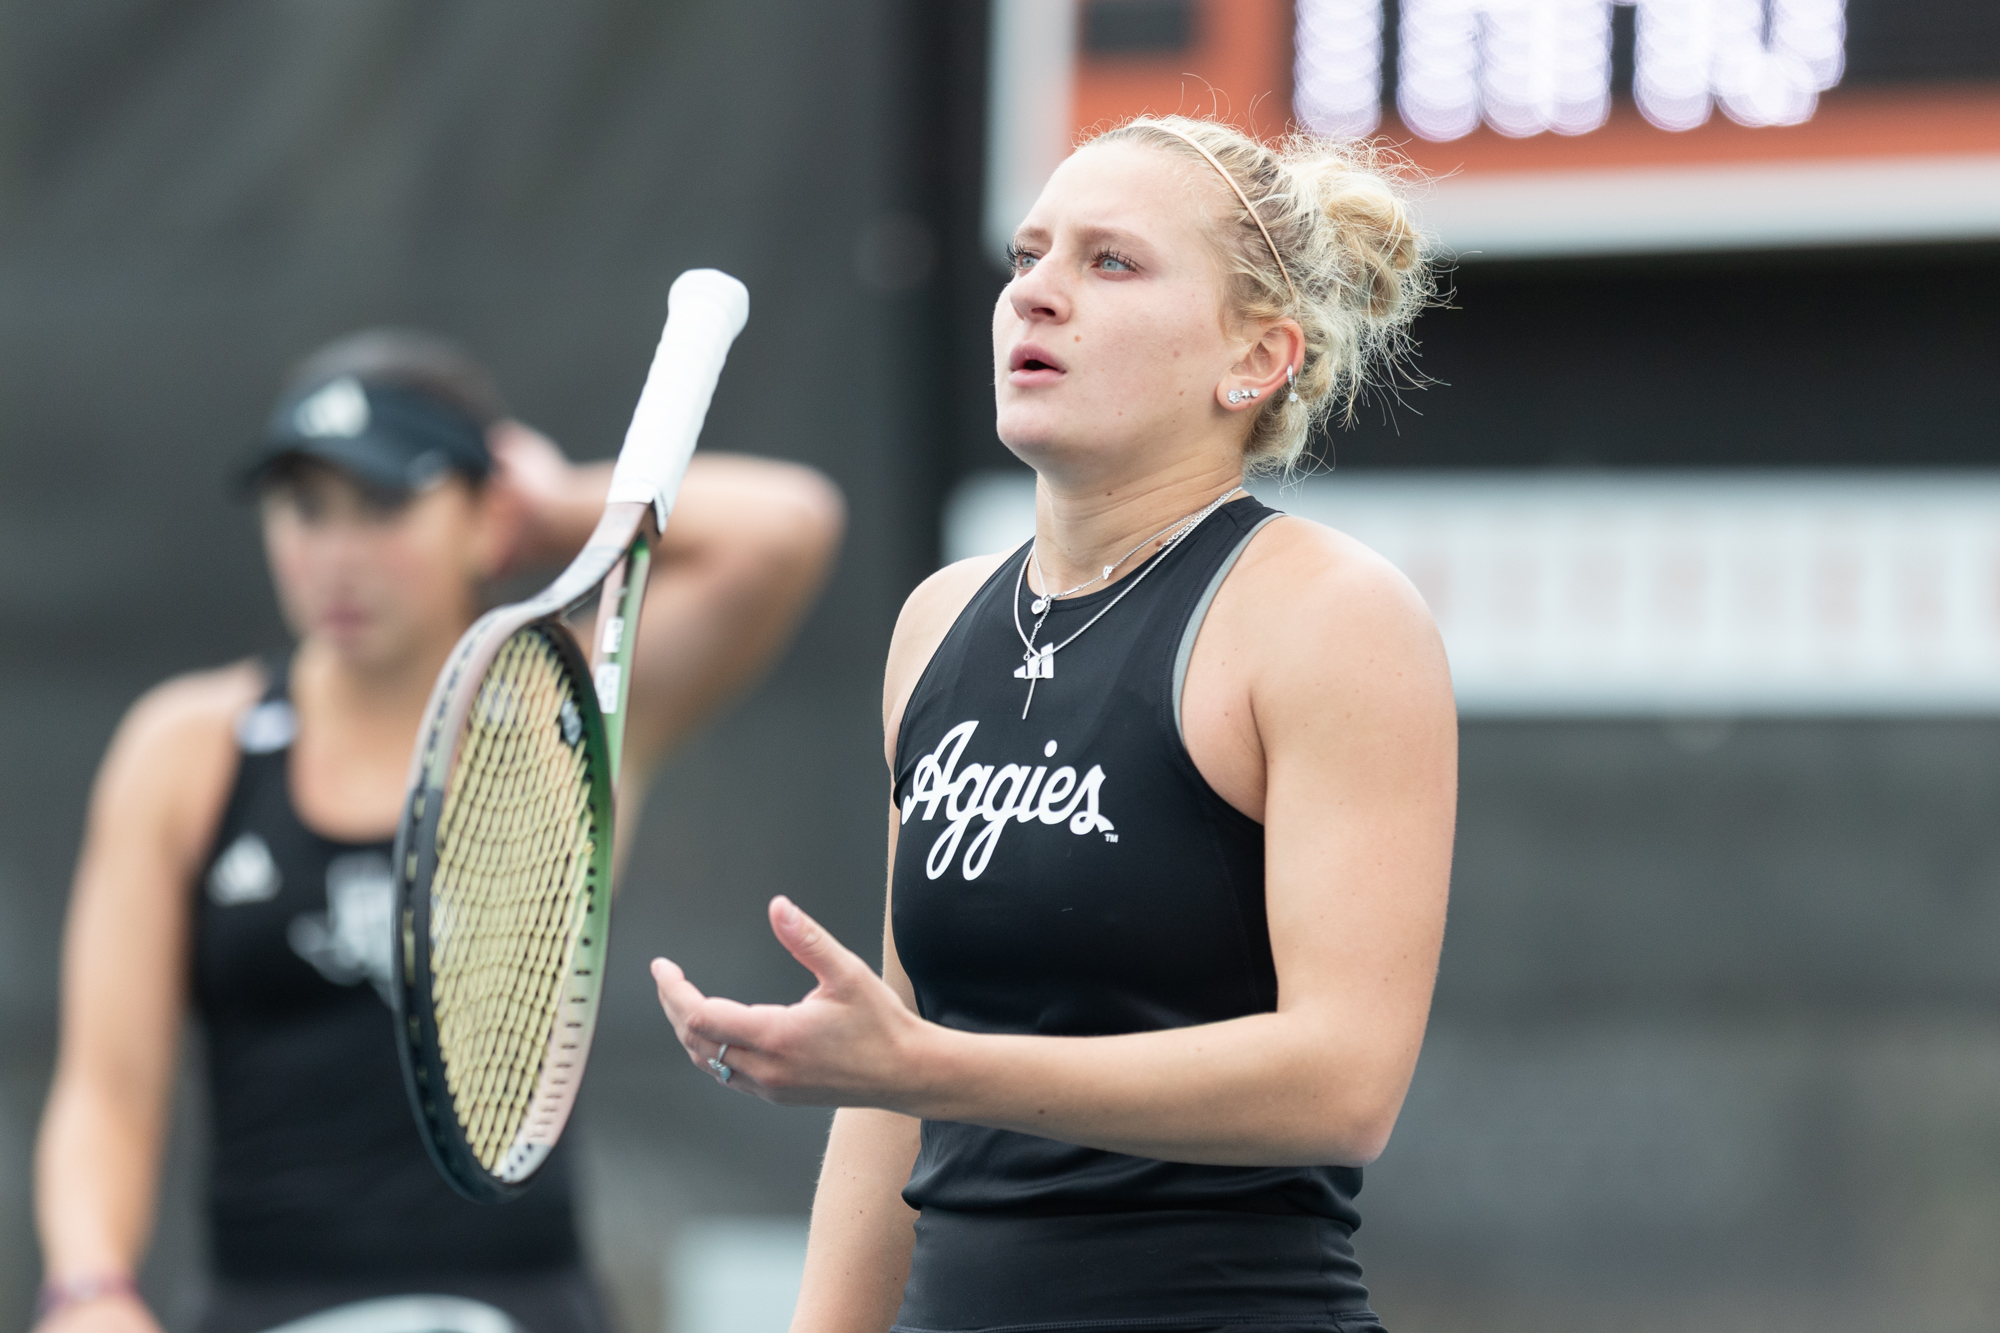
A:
[(858, 1254), (1354, 742), (152, 812), (749, 544)]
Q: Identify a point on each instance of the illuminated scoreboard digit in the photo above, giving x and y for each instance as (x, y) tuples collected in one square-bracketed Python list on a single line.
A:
[(1535, 66)]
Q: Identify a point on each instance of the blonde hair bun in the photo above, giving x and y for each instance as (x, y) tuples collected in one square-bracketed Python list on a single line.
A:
[(1337, 214)]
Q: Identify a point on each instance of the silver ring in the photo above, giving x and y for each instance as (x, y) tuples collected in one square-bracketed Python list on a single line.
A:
[(722, 1071)]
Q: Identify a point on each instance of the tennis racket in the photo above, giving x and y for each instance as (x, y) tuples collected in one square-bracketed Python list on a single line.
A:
[(503, 853)]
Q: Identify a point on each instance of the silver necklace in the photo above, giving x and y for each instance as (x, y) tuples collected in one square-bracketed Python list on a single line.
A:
[(1040, 663), (1041, 603)]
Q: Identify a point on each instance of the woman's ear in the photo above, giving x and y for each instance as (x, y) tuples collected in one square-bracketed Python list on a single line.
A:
[(1261, 372)]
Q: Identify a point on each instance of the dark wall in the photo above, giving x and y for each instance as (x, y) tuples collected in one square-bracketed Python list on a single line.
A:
[(1717, 1037), (1871, 357)]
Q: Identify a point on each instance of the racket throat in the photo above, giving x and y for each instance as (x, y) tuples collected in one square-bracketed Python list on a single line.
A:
[(617, 629)]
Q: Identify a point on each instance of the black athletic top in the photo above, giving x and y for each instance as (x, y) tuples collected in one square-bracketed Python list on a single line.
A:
[(1072, 874), (316, 1171)]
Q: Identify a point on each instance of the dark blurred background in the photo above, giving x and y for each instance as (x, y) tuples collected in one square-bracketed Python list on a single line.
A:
[(1717, 1038)]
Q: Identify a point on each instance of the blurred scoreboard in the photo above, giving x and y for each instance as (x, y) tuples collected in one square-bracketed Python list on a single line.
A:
[(1554, 127)]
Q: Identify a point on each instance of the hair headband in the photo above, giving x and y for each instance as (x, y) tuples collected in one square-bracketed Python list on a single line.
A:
[(1223, 171)]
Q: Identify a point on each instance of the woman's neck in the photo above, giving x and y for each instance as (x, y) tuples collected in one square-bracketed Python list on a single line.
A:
[(356, 726), (1079, 529), (385, 697)]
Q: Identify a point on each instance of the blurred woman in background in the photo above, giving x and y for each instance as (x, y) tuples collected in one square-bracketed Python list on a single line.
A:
[(236, 855), (1173, 792)]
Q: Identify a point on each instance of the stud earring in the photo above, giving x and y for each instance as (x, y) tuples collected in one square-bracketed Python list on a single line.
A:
[(1241, 395)]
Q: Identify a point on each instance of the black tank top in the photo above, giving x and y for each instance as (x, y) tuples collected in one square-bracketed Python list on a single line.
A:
[(1072, 874), (316, 1170)]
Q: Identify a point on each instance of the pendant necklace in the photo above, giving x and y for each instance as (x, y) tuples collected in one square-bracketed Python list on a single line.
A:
[(1041, 603), (1040, 663)]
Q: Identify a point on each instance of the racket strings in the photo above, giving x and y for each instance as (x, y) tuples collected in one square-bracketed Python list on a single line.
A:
[(515, 847), (525, 896)]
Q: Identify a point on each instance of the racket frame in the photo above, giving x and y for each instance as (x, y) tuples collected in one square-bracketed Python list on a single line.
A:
[(613, 565)]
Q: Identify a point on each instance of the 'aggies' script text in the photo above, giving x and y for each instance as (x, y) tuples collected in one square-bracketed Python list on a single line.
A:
[(996, 795)]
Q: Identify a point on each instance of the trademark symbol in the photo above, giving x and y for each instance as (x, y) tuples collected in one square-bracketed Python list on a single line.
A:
[(1111, 837)]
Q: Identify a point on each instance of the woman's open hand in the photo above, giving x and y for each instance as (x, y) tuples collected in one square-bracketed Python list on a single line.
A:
[(850, 1042)]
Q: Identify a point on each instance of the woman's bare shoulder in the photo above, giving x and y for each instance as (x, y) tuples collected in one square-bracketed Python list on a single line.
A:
[(1297, 558), (927, 616), (1337, 601), (196, 704), (175, 750)]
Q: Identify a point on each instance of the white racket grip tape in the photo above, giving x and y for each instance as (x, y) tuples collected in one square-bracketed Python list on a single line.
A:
[(706, 309)]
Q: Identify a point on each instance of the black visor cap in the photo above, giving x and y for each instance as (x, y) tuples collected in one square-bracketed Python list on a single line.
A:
[(393, 437)]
